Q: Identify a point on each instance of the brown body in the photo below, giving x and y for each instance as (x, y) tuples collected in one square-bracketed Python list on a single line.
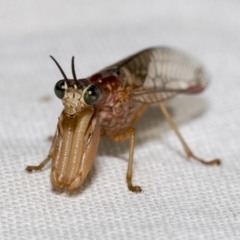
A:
[(108, 103), (117, 108)]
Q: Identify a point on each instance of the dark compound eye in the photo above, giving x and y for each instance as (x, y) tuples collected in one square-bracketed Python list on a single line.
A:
[(91, 95), (59, 89)]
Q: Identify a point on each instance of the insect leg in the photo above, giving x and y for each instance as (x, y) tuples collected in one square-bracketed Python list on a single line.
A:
[(139, 113), (188, 151), (40, 166), (132, 188), (131, 132), (47, 159)]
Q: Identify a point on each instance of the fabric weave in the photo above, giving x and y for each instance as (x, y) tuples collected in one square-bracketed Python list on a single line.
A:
[(181, 199)]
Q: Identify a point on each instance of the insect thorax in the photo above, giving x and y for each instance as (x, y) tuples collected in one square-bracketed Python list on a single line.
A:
[(117, 110)]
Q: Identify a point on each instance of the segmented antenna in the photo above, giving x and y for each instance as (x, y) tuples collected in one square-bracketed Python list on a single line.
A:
[(73, 71), (64, 75)]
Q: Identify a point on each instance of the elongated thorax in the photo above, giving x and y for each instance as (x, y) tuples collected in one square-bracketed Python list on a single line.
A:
[(76, 145)]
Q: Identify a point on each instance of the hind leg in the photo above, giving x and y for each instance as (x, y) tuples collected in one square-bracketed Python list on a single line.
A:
[(187, 150)]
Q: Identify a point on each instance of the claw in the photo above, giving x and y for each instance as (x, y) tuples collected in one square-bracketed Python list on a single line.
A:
[(33, 168), (135, 189), (213, 162)]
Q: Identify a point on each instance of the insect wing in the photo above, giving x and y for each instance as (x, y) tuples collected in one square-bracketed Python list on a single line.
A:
[(157, 74)]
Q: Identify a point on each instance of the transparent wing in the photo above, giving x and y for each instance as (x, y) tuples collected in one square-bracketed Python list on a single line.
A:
[(160, 73)]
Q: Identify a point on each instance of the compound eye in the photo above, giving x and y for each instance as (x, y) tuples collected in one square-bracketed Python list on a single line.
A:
[(91, 94), (59, 89)]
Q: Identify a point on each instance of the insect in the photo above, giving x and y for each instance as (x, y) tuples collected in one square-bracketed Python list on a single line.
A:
[(109, 103)]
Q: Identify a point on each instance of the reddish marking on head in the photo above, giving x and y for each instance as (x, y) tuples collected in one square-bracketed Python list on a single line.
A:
[(104, 80), (95, 78), (194, 89), (109, 85)]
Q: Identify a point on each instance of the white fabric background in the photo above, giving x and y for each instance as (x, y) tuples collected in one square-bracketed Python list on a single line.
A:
[(181, 199)]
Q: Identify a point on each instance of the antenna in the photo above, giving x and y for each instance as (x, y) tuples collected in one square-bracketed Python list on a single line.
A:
[(64, 75), (73, 71)]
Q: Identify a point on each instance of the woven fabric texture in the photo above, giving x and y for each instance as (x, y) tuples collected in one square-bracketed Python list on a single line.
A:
[(181, 199)]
